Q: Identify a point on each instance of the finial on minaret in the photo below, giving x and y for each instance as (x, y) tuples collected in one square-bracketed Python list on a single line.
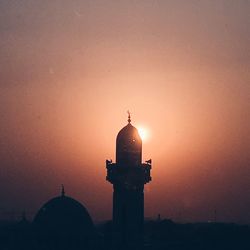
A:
[(129, 117), (63, 191)]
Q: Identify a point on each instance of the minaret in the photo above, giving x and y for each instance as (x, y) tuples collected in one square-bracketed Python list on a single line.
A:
[(128, 176)]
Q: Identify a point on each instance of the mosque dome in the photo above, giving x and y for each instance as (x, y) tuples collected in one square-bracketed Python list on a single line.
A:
[(128, 145), (64, 223)]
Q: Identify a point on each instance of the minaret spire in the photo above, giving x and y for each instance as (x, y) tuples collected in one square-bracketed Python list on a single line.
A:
[(129, 117), (63, 191), (24, 216)]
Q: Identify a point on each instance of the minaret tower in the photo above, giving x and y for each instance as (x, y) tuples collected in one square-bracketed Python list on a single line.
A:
[(128, 176)]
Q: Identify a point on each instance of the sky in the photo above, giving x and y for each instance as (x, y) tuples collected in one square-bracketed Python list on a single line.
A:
[(70, 70)]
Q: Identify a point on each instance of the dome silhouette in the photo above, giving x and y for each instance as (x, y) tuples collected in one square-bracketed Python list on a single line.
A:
[(128, 132), (63, 223)]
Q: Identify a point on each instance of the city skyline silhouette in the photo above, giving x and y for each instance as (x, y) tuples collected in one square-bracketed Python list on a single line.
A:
[(64, 223)]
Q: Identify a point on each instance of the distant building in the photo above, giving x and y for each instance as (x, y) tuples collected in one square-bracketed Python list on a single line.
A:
[(128, 176)]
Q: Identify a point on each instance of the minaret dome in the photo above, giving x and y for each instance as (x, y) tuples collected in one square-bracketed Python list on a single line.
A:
[(128, 146)]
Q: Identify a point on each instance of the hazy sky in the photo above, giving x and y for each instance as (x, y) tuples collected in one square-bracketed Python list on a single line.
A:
[(71, 69)]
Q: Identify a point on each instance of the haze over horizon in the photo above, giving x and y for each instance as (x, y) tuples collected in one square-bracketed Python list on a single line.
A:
[(71, 69)]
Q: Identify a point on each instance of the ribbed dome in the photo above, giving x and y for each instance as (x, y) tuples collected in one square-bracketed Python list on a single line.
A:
[(63, 220)]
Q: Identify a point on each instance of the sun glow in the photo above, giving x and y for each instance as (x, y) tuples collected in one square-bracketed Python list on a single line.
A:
[(144, 134)]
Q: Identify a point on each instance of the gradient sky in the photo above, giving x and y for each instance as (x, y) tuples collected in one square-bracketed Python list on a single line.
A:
[(71, 69)]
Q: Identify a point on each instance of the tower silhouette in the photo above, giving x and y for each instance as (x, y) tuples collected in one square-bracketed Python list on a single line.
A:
[(128, 176)]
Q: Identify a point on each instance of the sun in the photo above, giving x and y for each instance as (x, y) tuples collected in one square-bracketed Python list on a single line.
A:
[(143, 132)]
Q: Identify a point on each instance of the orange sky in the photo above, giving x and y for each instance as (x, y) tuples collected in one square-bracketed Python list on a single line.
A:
[(71, 69)]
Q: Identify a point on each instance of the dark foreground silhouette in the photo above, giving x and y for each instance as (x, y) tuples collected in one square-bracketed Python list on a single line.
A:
[(158, 235), (63, 223)]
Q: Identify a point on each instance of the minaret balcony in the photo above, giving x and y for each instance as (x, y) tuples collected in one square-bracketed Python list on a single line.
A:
[(120, 174)]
